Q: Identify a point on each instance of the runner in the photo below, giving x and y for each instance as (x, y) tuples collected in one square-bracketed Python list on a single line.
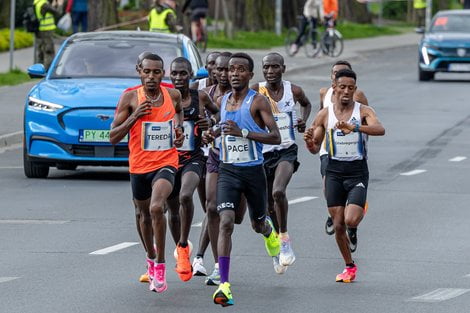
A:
[(347, 124), (191, 162), (211, 78), (326, 98), (152, 116), (245, 115), (280, 161)]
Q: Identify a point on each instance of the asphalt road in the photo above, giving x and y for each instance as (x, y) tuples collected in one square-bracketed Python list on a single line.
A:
[(413, 244)]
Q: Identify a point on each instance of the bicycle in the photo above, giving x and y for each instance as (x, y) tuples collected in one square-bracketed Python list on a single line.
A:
[(200, 37), (309, 40), (331, 39)]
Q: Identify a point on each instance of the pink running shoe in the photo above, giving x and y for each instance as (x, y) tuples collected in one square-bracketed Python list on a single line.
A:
[(348, 275), (158, 281), (145, 278)]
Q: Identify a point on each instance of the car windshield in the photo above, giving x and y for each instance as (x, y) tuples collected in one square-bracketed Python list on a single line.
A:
[(452, 23), (110, 58)]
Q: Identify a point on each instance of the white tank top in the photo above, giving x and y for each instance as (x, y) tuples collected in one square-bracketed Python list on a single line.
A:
[(202, 83), (326, 104), (284, 114), (343, 147)]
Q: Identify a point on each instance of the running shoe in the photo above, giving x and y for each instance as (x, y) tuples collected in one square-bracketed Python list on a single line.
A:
[(183, 265), (352, 236), (214, 278), (272, 243), (287, 256), (175, 252), (348, 275), (158, 281), (366, 207), (198, 267), (278, 268), (145, 278), (329, 228), (223, 295)]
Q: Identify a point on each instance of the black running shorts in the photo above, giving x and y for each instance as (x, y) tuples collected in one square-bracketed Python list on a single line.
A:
[(249, 180), (273, 158), (346, 183), (196, 166), (323, 164), (141, 184)]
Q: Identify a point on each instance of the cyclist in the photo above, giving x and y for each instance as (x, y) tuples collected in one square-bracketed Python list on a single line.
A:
[(312, 12), (199, 10), (330, 11), (162, 18)]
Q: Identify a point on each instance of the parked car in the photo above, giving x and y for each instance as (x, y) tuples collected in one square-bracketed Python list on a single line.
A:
[(68, 114), (445, 47)]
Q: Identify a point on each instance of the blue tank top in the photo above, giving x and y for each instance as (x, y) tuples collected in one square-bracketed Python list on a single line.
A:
[(243, 119)]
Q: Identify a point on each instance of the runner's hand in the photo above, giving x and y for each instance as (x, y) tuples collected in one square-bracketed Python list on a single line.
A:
[(208, 136), (179, 137), (231, 128), (204, 123), (308, 136), (345, 127), (301, 125), (145, 108)]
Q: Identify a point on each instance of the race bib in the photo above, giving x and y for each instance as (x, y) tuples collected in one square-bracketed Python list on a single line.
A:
[(238, 150), (286, 126), (189, 137), (347, 146), (157, 136)]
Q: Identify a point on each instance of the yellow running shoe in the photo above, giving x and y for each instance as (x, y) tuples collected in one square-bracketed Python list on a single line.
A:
[(272, 243), (223, 295)]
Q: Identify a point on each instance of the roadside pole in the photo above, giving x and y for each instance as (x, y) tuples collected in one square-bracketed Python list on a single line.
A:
[(428, 14), (12, 32), (278, 17)]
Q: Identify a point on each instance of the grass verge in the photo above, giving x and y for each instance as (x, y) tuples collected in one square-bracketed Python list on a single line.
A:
[(265, 40), (14, 77)]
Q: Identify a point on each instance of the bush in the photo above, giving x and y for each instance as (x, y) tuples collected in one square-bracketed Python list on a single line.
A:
[(395, 10), (22, 39)]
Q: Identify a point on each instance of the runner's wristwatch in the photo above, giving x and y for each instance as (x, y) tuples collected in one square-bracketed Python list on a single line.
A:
[(245, 132)]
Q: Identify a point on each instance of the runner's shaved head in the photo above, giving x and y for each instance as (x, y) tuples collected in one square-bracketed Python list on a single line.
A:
[(275, 55)]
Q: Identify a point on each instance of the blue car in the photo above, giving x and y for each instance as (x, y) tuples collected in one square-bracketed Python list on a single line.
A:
[(68, 114), (445, 47)]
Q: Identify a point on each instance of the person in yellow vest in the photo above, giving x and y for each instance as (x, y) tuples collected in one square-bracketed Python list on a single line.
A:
[(162, 18), (420, 11), (47, 12)]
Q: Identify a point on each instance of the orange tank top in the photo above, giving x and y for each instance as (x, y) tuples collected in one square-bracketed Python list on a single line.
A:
[(142, 161)]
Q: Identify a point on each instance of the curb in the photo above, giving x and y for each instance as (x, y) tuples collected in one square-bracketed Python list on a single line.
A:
[(11, 139)]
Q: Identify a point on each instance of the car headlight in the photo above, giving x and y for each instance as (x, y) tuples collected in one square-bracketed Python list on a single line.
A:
[(431, 47), (42, 105)]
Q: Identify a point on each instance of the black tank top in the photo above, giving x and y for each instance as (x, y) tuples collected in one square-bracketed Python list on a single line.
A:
[(191, 113)]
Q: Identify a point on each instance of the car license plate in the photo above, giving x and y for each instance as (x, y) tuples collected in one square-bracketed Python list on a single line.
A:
[(96, 135), (459, 67)]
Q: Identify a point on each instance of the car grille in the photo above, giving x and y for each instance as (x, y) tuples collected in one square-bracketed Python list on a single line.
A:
[(453, 52), (444, 65), (98, 151)]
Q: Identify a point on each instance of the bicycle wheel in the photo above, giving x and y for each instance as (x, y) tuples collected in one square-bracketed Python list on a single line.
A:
[(291, 36), (312, 45), (337, 44)]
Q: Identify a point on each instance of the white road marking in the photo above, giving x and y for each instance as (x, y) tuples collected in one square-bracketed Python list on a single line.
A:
[(197, 224), (10, 167), (36, 222), (457, 159), (302, 199), (413, 172), (440, 294), (12, 147), (114, 248), (468, 276), (5, 279)]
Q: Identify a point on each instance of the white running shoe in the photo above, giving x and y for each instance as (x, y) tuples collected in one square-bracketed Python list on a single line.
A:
[(278, 268), (287, 256), (214, 278), (198, 267)]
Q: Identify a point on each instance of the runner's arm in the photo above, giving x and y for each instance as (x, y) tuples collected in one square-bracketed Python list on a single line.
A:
[(205, 102), (314, 135), (255, 87), (373, 127), (273, 137), (123, 120), (360, 97), (305, 107), (322, 97)]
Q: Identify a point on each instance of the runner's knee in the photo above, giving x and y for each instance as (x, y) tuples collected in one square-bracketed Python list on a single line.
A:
[(279, 195), (157, 210), (226, 224)]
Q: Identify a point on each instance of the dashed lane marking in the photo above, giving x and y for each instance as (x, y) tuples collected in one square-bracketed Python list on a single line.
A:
[(440, 294), (35, 222), (114, 248), (6, 279), (197, 224), (457, 159), (413, 172), (302, 199)]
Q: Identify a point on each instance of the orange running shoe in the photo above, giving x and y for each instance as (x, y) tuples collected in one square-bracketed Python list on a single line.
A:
[(348, 275), (144, 278), (366, 207), (183, 264)]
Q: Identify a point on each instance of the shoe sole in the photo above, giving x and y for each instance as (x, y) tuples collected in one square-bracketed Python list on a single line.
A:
[(211, 282), (347, 281), (287, 262), (199, 274), (221, 299)]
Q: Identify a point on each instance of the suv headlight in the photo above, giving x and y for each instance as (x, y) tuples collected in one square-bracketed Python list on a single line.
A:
[(42, 105)]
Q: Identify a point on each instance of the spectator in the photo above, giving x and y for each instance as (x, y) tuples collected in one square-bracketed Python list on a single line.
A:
[(79, 12), (47, 14), (420, 11), (199, 10), (162, 18), (465, 3), (312, 12)]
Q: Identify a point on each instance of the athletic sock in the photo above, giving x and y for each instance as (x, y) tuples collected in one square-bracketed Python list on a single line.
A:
[(284, 235), (353, 230), (183, 245), (200, 256), (224, 267), (350, 264)]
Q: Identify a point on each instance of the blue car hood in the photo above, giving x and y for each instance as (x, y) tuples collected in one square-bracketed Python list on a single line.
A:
[(448, 39), (86, 92)]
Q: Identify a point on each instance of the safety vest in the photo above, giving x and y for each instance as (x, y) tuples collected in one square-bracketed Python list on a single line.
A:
[(46, 22), (419, 4), (157, 21)]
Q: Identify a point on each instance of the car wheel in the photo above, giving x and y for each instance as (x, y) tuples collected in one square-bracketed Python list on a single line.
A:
[(66, 166), (34, 169), (425, 76)]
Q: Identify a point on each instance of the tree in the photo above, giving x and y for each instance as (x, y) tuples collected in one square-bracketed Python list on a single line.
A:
[(102, 13), (354, 11), (5, 13)]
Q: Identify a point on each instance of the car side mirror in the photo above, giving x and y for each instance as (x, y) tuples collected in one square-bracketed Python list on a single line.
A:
[(201, 73), (37, 71)]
